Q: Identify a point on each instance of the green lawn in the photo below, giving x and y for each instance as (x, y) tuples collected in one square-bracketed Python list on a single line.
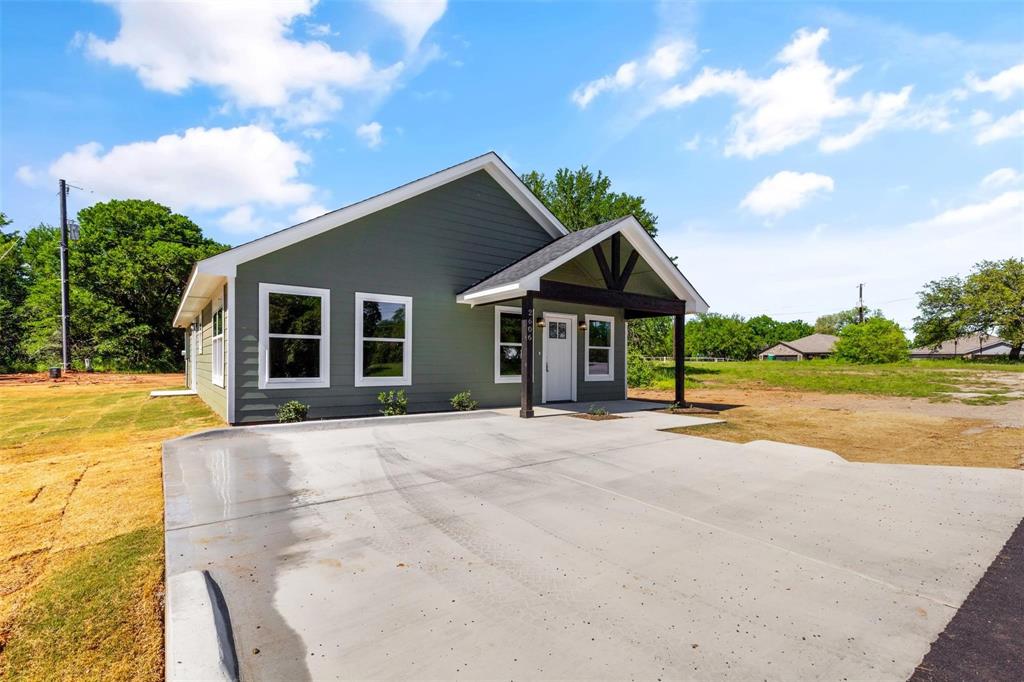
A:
[(922, 379)]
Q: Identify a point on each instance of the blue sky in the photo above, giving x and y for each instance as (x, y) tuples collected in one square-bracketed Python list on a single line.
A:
[(790, 150)]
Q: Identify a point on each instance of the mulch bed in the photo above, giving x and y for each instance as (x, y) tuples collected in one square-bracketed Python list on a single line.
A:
[(983, 640)]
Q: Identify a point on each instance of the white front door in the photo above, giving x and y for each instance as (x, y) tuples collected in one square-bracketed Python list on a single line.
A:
[(559, 357)]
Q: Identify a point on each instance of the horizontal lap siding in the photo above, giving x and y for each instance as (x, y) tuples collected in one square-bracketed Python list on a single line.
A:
[(429, 247), (214, 396)]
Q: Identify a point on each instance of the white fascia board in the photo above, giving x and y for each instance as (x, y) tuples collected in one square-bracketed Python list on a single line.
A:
[(225, 263), (200, 289)]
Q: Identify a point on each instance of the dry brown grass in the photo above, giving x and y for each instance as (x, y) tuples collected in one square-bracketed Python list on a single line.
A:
[(863, 429), (80, 462)]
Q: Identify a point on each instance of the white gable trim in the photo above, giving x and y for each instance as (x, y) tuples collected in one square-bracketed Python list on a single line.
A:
[(635, 234)]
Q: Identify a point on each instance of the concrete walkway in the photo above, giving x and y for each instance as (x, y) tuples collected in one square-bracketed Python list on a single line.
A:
[(485, 546)]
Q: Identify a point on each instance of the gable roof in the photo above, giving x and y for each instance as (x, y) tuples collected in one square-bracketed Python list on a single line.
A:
[(962, 346), (524, 275), (224, 264), (815, 343)]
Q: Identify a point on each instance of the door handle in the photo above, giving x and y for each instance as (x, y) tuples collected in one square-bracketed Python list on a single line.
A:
[(545, 367)]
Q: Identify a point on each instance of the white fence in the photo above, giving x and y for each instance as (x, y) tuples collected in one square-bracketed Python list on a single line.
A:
[(698, 358)]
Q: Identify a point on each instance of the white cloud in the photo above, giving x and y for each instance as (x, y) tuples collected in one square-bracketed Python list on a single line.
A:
[(370, 133), (1001, 178), (816, 272), (784, 192), (692, 144), (244, 50), (980, 118), (241, 220), (882, 108), (1011, 125), (314, 133), (662, 63), (307, 212), (794, 103), (413, 19), (319, 30), (1003, 85), (205, 168), (27, 175)]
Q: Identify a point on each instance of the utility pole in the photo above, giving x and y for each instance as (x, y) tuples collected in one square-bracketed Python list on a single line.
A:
[(65, 303), (860, 303)]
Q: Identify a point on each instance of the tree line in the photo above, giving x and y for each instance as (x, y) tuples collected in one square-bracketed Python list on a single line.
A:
[(128, 270)]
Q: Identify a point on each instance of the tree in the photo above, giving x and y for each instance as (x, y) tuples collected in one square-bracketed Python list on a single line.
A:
[(720, 336), (943, 313), (127, 274), (874, 341), (650, 336), (768, 332), (834, 323), (14, 281), (993, 298), (989, 301), (580, 199)]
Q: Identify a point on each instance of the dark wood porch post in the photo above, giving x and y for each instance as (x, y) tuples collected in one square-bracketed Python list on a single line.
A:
[(679, 343), (526, 360)]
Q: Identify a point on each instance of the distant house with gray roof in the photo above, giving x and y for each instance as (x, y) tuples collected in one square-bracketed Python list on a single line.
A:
[(806, 348), (970, 346)]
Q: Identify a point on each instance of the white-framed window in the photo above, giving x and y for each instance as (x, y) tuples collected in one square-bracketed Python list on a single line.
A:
[(383, 340), (217, 344), (295, 337), (508, 345), (600, 364)]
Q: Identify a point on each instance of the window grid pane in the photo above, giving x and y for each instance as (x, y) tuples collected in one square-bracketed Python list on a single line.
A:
[(383, 358), (294, 314), (294, 358)]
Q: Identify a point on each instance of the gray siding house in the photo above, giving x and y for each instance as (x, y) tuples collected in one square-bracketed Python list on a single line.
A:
[(804, 348), (461, 280)]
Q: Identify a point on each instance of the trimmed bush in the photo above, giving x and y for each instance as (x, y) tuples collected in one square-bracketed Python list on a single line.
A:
[(597, 411), (463, 402), (874, 341), (292, 411), (639, 371), (393, 403)]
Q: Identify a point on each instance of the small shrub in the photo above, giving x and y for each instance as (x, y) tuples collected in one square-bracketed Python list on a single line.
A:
[(597, 411), (874, 341), (463, 402), (292, 411), (639, 371), (393, 403)]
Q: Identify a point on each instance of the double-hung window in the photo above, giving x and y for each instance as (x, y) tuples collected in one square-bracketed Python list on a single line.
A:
[(508, 345), (383, 340), (600, 348), (217, 345), (295, 348)]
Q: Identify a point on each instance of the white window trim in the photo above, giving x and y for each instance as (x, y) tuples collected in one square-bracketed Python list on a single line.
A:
[(587, 376), (406, 378), (217, 359), (324, 380), (498, 377)]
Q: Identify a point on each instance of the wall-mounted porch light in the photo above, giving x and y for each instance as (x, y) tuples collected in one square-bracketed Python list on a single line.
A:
[(540, 321)]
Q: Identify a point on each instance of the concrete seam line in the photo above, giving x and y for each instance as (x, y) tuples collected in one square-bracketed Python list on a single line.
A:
[(763, 542), (346, 498)]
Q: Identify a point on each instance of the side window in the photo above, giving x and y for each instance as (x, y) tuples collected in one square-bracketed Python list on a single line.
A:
[(508, 345), (600, 348), (294, 336), (383, 340)]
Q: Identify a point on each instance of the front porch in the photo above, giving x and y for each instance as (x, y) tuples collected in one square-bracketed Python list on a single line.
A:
[(616, 266)]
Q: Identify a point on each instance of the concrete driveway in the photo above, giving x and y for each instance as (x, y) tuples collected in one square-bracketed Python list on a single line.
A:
[(485, 546)]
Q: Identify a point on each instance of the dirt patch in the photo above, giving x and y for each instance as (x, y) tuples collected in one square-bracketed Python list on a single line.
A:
[(596, 417), (689, 410), (1006, 415), (863, 428)]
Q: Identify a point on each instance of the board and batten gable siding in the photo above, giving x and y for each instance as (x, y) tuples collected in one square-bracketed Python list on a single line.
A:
[(214, 396), (429, 247)]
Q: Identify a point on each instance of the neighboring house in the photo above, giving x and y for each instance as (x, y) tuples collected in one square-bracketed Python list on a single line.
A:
[(461, 280), (964, 347), (806, 348)]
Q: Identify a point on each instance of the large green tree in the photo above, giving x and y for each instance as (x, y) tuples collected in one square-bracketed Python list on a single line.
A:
[(14, 281), (768, 332), (581, 199), (720, 336), (988, 301), (127, 274)]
